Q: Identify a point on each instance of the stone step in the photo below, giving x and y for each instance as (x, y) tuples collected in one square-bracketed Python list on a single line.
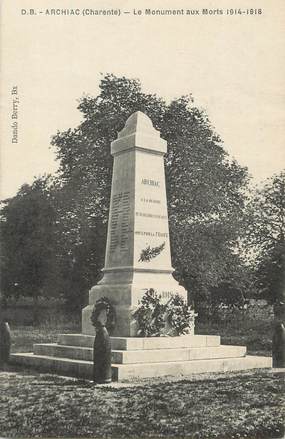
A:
[(62, 351), (56, 365), (142, 356), (184, 368), (83, 369), (137, 343)]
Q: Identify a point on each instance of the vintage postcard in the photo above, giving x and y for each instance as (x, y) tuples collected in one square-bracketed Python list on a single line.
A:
[(142, 218)]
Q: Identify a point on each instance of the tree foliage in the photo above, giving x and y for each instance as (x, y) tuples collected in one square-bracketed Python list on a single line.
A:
[(28, 241), (54, 231), (206, 190), (266, 237)]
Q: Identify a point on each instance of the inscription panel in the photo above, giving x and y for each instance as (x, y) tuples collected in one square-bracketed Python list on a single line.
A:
[(152, 248), (150, 210), (120, 221)]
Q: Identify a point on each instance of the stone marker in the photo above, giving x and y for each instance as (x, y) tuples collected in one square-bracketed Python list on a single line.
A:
[(5, 343), (138, 249), (102, 372), (278, 345)]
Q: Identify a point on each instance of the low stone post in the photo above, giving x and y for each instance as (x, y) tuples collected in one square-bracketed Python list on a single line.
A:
[(278, 345), (5, 343), (102, 370)]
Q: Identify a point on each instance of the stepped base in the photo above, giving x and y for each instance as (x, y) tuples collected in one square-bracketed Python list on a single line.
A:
[(142, 356), (138, 343), (135, 358), (83, 369)]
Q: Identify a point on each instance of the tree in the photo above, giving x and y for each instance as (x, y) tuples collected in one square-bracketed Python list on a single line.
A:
[(27, 235), (206, 190), (206, 193), (266, 232)]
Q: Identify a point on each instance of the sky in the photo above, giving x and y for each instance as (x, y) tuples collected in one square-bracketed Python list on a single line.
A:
[(233, 65)]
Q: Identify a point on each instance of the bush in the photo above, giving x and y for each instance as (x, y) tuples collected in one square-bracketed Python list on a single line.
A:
[(179, 316), (154, 318), (149, 315)]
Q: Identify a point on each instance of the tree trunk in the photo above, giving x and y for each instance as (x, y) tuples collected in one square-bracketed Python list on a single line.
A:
[(279, 311)]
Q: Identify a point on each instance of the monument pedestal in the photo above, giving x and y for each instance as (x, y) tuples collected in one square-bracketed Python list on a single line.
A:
[(134, 358), (125, 296)]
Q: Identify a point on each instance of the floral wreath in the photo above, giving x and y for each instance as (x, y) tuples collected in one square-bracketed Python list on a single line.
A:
[(104, 304)]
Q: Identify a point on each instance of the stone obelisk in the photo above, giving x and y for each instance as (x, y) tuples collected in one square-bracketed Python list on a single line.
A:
[(138, 249)]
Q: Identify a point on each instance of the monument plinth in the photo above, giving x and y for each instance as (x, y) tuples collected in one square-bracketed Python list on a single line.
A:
[(138, 249)]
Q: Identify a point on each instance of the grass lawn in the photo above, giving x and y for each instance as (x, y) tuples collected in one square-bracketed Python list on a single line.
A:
[(247, 405), (255, 334), (23, 337), (230, 405)]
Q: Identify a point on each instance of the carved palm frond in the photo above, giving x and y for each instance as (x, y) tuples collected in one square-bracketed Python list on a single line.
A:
[(149, 252)]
